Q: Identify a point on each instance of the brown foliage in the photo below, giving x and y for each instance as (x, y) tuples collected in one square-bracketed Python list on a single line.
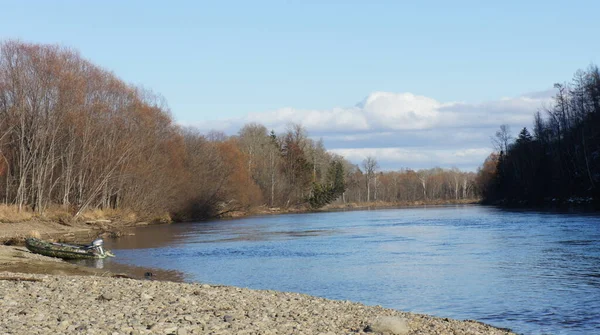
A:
[(240, 190), (487, 173), (74, 136)]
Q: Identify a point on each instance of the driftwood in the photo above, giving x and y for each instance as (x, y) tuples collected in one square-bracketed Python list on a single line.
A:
[(20, 279), (119, 275)]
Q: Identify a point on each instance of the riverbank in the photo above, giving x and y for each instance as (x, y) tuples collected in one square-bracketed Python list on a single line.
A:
[(57, 304), (401, 204), (14, 233), (20, 260), (69, 230), (17, 259), (40, 295), (263, 210)]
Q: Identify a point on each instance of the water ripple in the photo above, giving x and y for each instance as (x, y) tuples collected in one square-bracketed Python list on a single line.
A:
[(533, 272)]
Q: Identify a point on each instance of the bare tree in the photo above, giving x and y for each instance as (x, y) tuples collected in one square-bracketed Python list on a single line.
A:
[(370, 165), (502, 139)]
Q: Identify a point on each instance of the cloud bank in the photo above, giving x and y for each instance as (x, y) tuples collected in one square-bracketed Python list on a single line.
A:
[(404, 130)]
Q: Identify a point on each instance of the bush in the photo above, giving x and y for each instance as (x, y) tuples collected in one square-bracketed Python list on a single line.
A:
[(11, 213)]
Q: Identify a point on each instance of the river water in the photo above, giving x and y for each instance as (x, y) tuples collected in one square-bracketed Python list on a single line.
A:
[(533, 272)]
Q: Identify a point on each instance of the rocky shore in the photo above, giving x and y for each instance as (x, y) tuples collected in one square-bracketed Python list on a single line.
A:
[(56, 304), (44, 295)]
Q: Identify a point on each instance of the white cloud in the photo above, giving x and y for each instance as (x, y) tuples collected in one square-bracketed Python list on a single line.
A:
[(404, 129), (349, 119), (417, 158), (400, 111), (381, 111)]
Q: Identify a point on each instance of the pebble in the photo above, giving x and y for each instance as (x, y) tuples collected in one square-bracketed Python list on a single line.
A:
[(104, 305)]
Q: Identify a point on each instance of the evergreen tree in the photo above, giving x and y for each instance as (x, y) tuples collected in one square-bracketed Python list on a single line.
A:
[(323, 194)]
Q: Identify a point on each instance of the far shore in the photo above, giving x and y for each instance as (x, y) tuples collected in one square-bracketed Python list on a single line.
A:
[(14, 233), (264, 210)]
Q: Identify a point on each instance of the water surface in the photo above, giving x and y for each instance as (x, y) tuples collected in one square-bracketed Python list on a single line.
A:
[(533, 272)]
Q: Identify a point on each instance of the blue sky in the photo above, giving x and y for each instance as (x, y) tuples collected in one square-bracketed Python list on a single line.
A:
[(222, 63)]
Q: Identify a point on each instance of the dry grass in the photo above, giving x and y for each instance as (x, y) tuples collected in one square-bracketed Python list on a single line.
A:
[(64, 216), (109, 214), (162, 219), (58, 214), (11, 213), (34, 234), (97, 214)]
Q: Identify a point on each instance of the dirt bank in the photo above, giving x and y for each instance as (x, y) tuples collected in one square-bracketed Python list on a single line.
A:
[(15, 233), (19, 259)]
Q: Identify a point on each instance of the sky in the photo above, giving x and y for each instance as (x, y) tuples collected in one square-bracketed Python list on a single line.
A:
[(417, 84)]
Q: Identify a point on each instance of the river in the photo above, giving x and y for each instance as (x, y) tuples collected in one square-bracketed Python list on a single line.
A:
[(533, 272)]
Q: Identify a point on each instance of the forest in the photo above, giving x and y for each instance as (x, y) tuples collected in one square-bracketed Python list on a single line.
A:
[(75, 138), (559, 161)]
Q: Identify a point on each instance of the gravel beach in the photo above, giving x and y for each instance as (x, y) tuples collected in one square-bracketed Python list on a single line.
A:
[(44, 295), (58, 304)]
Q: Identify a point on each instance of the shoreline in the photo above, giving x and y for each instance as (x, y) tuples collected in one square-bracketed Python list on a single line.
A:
[(14, 233), (263, 210), (260, 312), (43, 303), (17, 259)]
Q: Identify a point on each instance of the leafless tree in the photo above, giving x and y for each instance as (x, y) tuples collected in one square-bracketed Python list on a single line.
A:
[(370, 166), (502, 139)]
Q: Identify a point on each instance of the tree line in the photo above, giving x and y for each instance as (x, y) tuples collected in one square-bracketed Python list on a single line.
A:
[(560, 160), (74, 136), (407, 185)]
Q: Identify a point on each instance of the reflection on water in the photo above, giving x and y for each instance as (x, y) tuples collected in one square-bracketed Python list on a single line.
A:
[(96, 263), (131, 270), (537, 273)]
